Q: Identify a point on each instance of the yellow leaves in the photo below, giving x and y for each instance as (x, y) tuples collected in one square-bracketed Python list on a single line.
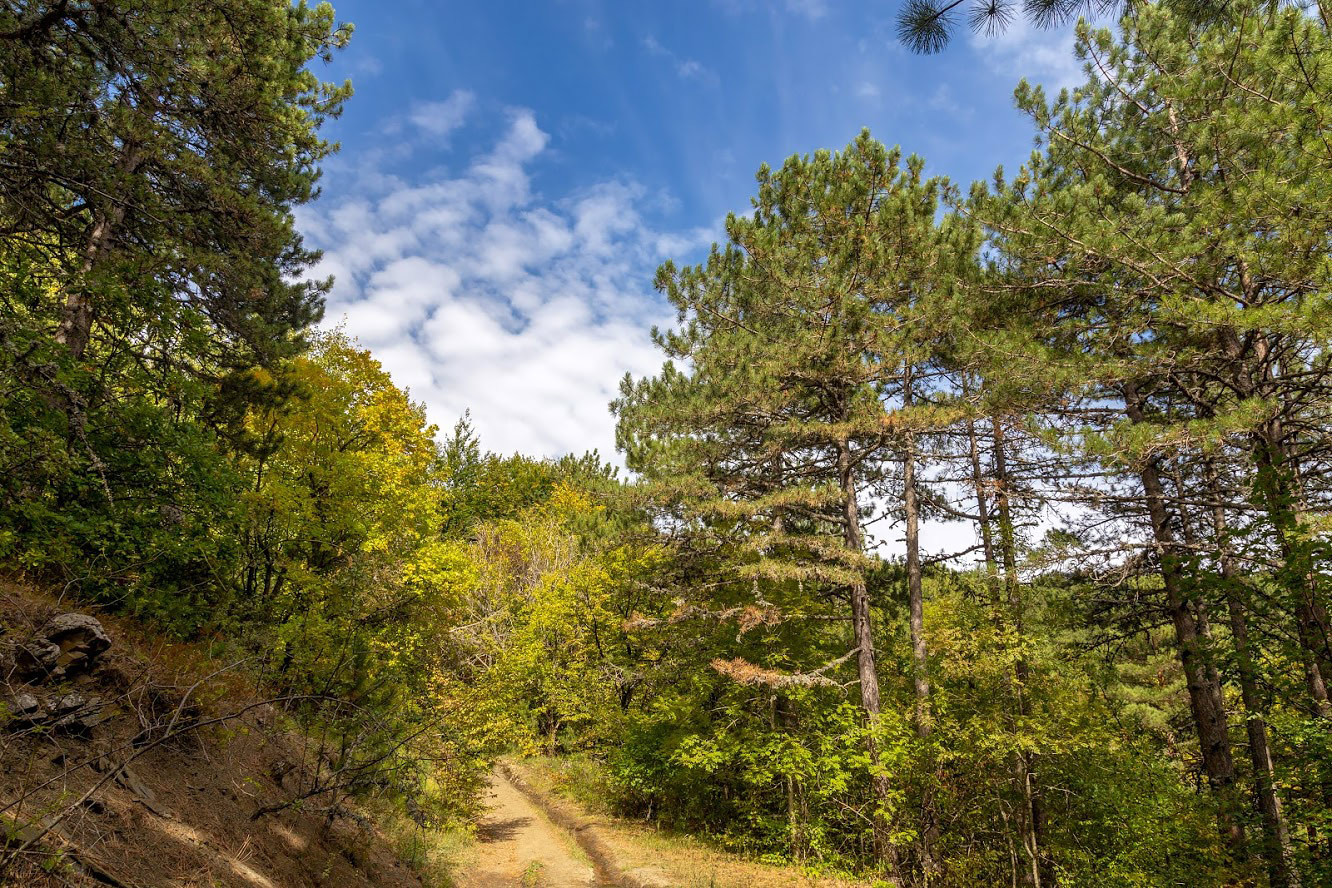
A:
[(262, 375), (544, 612), (567, 503), (439, 565), (344, 505)]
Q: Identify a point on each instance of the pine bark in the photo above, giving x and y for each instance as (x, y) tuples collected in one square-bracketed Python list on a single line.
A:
[(1031, 823), (929, 864), (1205, 697), (75, 328), (1276, 837), (863, 635), (1281, 504)]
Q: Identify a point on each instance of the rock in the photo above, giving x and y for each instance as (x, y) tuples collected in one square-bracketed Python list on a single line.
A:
[(27, 705), (69, 703), (68, 644), (72, 714), (25, 710), (80, 726), (77, 715), (80, 637), (37, 659), (142, 794)]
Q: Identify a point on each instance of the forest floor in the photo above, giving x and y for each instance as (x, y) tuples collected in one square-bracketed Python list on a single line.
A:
[(534, 834)]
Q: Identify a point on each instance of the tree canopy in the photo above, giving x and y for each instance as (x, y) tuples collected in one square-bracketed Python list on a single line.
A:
[(1109, 369)]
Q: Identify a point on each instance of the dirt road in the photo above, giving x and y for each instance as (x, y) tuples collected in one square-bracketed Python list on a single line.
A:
[(517, 847)]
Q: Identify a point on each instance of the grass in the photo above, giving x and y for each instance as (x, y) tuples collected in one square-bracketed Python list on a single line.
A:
[(577, 778), (432, 853), (532, 875), (682, 860)]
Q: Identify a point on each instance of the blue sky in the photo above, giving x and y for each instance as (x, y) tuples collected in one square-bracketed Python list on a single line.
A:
[(512, 173)]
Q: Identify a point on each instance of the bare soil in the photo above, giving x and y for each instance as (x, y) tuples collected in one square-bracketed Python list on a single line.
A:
[(518, 847), (116, 807), (640, 856)]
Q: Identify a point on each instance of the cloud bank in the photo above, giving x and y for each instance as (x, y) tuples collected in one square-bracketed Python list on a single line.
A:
[(477, 292)]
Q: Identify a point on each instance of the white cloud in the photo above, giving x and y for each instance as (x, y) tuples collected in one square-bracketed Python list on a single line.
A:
[(690, 68), (810, 9), (365, 66), (596, 34), (942, 100), (1040, 55), (476, 292), (686, 69), (441, 118)]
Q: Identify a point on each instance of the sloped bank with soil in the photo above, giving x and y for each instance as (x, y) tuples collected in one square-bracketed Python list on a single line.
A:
[(118, 769)]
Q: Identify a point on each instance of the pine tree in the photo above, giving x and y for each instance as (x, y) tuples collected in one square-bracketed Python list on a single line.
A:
[(154, 150), (774, 432), (1170, 243)]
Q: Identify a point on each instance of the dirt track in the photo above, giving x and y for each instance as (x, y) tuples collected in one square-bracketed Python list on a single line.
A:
[(519, 848)]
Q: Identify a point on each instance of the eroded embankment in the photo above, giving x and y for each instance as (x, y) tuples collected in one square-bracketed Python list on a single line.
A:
[(124, 762)]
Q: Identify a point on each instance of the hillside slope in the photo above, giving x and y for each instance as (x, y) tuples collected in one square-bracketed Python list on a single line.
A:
[(129, 761)]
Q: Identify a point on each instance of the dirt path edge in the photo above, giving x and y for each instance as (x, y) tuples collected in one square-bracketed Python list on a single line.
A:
[(586, 831)]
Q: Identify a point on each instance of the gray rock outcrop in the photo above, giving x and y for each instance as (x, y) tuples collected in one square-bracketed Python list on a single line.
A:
[(68, 644)]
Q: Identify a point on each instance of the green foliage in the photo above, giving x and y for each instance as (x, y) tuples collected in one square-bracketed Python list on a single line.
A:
[(1136, 324), (154, 152), (554, 587), (784, 774), (128, 496), (153, 155)]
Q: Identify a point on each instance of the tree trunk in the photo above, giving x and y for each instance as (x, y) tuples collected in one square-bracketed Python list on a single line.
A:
[(75, 327), (1283, 511), (864, 640), (1030, 824), (983, 521), (1205, 697), (915, 591), (1276, 839), (1272, 486), (929, 832)]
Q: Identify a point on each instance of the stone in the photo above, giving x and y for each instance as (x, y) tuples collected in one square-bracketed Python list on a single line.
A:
[(25, 710), (72, 714), (37, 658), (80, 637), (27, 705), (68, 644), (69, 703), (75, 725), (76, 715)]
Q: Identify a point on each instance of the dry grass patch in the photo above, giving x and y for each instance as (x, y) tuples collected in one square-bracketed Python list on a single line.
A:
[(661, 856)]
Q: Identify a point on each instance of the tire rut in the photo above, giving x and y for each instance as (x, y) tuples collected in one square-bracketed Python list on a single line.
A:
[(518, 846)]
